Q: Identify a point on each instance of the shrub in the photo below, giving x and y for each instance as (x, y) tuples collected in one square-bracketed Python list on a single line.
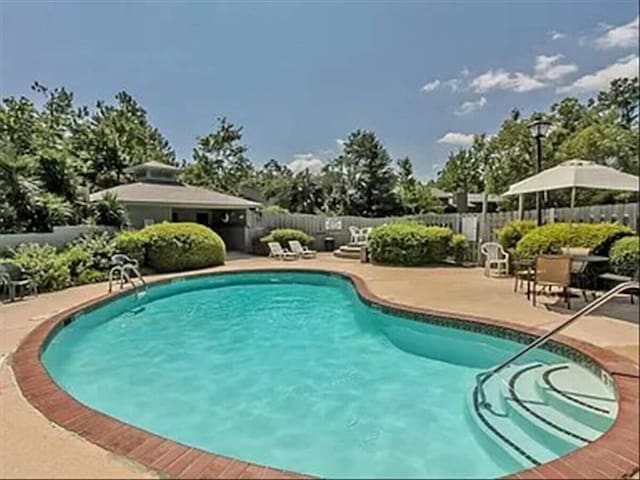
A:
[(49, 269), (459, 248), (283, 235), (108, 210), (173, 247), (409, 243), (78, 260), (91, 275), (625, 256), (133, 244), (551, 238), (99, 246), (510, 234)]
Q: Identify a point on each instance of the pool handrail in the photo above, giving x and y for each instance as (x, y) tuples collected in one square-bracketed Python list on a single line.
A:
[(483, 377)]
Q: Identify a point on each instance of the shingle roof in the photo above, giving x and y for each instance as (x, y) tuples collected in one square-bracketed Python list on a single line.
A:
[(178, 195)]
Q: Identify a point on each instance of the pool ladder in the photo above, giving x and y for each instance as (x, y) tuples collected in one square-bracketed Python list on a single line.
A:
[(125, 270), (483, 377)]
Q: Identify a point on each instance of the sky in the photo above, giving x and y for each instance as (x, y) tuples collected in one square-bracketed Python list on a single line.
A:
[(299, 76)]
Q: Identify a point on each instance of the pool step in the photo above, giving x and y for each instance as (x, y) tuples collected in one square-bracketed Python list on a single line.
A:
[(348, 251), (540, 412)]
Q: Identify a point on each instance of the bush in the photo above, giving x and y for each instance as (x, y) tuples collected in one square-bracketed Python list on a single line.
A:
[(108, 210), (132, 244), (625, 256), (459, 248), (510, 234), (283, 235), (409, 243), (99, 246), (173, 247), (49, 269), (551, 238)]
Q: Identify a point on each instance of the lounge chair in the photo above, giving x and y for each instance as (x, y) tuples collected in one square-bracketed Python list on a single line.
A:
[(276, 251), (15, 278), (303, 252), (553, 271), (496, 259)]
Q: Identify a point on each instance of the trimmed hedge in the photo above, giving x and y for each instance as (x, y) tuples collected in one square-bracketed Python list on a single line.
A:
[(133, 244), (551, 238), (409, 244), (625, 256), (173, 247), (510, 234), (283, 235)]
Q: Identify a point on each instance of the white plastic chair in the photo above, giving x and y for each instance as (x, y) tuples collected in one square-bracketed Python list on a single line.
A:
[(355, 234), (496, 259), (297, 248), (276, 251)]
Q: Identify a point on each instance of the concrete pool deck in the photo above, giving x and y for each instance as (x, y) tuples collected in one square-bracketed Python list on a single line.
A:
[(31, 446)]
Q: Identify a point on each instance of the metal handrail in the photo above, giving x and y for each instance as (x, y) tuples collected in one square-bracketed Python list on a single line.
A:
[(483, 377), (122, 271)]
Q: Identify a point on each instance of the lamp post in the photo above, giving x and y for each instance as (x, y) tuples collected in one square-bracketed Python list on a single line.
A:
[(539, 130)]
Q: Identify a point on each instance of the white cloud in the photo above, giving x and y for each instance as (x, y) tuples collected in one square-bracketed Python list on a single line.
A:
[(547, 68), (431, 86), (600, 80), (622, 36), (465, 72), (471, 106), (454, 84), (340, 142), (457, 138), (501, 80), (305, 161), (555, 35)]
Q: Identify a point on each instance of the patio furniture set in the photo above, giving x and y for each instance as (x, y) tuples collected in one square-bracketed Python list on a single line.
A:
[(573, 268)]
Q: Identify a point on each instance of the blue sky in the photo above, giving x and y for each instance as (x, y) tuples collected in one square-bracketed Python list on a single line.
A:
[(299, 76)]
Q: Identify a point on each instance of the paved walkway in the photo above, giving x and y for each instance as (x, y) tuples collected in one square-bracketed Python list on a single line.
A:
[(30, 446)]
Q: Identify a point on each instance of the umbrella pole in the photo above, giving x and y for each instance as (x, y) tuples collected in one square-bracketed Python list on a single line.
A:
[(520, 206), (573, 204)]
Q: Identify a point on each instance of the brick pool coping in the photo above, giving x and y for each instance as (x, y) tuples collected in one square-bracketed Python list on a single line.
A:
[(614, 455)]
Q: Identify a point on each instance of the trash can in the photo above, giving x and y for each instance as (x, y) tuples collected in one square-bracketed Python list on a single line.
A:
[(364, 254), (329, 244)]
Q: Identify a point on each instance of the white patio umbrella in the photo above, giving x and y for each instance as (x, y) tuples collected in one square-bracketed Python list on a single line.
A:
[(575, 174)]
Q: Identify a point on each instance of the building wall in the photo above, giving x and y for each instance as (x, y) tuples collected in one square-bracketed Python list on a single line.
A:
[(139, 213)]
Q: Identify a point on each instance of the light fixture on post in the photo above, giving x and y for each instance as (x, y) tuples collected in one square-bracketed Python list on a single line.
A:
[(539, 130)]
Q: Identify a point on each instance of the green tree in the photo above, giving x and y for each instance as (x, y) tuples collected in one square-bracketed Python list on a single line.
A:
[(364, 177), (219, 160), (415, 197), (305, 193), (622, 97), (118, 137)]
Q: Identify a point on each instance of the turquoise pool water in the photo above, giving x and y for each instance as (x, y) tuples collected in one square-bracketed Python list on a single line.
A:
[(290, 370)]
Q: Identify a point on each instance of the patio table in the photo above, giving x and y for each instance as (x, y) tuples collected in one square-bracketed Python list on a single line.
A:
[(525, 269)]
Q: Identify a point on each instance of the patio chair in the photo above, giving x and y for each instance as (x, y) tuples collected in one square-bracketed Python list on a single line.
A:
[(496, 259), (553, 271), (578, 267), (302, 252), (276, 251), (357, 236), (15, 278)]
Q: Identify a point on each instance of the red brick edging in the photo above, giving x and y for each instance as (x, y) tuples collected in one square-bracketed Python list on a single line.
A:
[(614, 455)]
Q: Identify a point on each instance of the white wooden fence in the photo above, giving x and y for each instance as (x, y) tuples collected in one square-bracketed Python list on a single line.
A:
[(470, 224)]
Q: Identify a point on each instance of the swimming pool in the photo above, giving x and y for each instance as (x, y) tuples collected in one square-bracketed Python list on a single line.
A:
[(286, 369)]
